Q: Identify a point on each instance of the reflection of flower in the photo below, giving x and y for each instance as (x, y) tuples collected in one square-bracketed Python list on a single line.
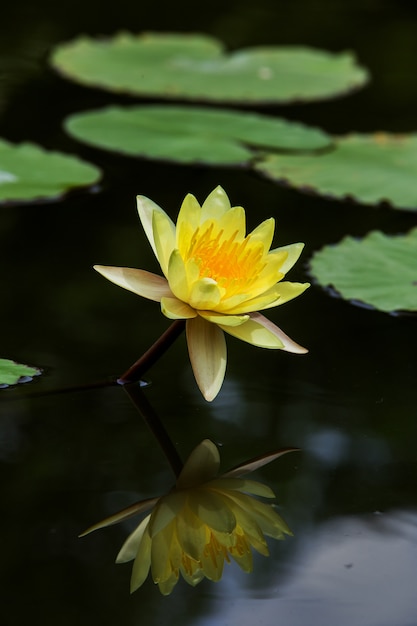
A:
[(216, 278), (203, 521)]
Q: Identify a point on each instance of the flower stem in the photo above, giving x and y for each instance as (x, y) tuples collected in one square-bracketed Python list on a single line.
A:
[(136, 371), (142, 404)]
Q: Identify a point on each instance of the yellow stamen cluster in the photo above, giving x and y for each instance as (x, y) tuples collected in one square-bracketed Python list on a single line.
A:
[(230, 262)]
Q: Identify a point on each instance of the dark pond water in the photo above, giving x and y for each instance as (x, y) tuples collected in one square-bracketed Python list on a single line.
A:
[(68, 460)]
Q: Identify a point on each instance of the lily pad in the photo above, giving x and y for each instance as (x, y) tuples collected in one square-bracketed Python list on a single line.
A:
[(28, 173), (193, 66), (371, 169), (190, 134), (379, 270), (12, 373)]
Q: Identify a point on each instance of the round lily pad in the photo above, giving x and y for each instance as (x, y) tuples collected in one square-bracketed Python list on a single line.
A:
[(379, 270), (190, 134), (12, 373), (28, 173), (192, 66), (371, 169)]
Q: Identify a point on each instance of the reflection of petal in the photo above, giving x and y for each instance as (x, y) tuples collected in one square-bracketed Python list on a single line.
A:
[(207, 350), (261, 332), (257, 462), (142, 562), (244, 485), (201, 466), (130, 547), (128, 512), (203, 521), (142, 283)]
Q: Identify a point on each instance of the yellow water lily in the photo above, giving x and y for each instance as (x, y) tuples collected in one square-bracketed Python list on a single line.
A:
[(202, 522), (216, 278)]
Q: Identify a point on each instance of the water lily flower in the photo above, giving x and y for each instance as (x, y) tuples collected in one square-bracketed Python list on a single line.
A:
[(202, 522), (216, 278)]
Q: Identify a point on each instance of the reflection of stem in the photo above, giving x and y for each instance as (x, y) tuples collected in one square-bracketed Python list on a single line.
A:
[(136, 371), (140, 401)]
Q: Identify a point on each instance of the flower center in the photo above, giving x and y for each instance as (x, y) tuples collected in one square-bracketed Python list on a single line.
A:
[(231, 262)]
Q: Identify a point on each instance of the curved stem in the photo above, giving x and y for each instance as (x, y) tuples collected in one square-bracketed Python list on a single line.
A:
[(136, 371), (152, 420)]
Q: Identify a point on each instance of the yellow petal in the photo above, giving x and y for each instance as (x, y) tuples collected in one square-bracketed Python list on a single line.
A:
[(275, 296), (215, 205), (207, 350), (202, 465), (293, 251), (146, 209), (164, 237), (287, 291), (225, 320), (264, 233), (160, 554), (142, 283), (177, 277), (231, 222), (176, 309), (261, 332), (267, 299), (204, 294), (187, 222)]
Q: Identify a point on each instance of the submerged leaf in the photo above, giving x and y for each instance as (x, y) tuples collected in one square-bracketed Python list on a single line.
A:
[(371, 169), (28, 173), (12, 373), (191, 134), (379, 270), (193, 66)]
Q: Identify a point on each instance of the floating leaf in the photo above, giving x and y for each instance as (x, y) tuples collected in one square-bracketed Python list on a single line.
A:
[(12, 373), (190, 134), (379, 270), (370, 169), (196, 67), (30, 173)]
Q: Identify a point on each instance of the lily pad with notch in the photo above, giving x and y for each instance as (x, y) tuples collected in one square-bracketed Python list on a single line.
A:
[(369, 169), (29, 173), (196, 67), (379, 270)]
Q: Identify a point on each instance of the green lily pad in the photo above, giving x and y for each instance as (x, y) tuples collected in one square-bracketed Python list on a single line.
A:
[(190, 134), (371, 169), (379, 270), (12, 373), (29, 173), (178, 66)]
